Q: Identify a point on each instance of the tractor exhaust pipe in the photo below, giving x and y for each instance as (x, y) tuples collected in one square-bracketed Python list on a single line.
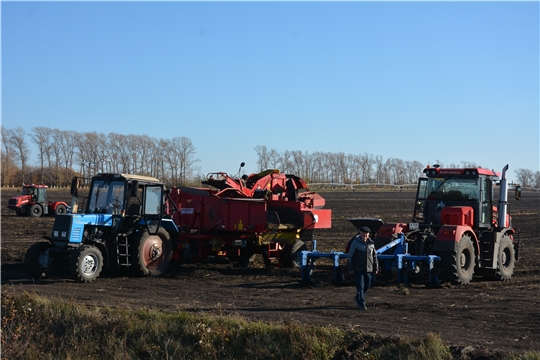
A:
[(503, 199)]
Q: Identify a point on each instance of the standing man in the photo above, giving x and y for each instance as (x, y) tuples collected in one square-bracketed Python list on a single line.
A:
[(362, 259)]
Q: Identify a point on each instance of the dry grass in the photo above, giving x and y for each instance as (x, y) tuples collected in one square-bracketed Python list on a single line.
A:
[(33, 327)]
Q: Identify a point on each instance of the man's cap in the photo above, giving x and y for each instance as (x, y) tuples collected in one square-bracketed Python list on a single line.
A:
[(365, 229)]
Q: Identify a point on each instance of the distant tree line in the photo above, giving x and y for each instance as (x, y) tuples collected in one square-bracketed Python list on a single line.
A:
[(341, 168), (63, 154)]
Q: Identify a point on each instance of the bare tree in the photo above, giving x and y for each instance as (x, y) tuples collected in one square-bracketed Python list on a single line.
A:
[(263, 159), (526, 177), (41, 137), (186, 152), (20, 148), (8, 154), (70, 139)]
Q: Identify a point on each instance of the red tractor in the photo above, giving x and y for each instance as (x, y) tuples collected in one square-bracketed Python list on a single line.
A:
[(33, 202), (455, 218), (268, 213)]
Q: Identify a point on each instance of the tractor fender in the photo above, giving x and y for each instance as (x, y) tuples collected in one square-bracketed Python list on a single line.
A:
[(450, 235), (104, 252)]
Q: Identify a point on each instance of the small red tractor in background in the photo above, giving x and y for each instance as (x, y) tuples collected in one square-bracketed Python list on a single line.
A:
[(33, 202), (268, 213), (455, 219)]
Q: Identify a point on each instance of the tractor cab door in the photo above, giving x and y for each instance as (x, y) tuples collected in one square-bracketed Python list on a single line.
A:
[(40, 195), (486, 204), (420, 204), (153, 207)]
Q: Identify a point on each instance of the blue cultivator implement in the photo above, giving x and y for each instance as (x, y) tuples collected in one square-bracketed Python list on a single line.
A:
[(399, 262)]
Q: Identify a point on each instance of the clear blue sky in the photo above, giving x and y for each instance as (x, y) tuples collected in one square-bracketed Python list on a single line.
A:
[(425, 81)]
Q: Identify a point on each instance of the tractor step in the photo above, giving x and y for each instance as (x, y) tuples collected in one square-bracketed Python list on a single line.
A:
[(122, 251)]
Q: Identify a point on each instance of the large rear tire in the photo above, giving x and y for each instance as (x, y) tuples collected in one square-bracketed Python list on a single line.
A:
[(152, 253), (459, 264), (38, 260), (60, 210), (85, 264)]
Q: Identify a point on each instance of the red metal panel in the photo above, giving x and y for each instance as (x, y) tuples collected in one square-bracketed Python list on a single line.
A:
[(457, 215)]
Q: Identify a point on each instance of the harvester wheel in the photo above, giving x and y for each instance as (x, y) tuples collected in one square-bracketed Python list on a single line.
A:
[(60, 210), (290, 254), (459, 265), (38, 259), (506, 259), (85, 264), (36, 210), (152, 253), (241, 257)]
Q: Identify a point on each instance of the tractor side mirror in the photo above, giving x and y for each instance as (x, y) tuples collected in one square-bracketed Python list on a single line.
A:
[(518, 192), (74, 191), (134, 188)]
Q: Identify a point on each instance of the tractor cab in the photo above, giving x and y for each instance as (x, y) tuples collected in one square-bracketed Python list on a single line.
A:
[(127, 198), (38, 193), (456, 197)]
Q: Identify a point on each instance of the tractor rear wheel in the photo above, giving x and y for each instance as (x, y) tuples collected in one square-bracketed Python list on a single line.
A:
[(36, 210), (459, 265), (85, 264), (152, 253), (60, 210), (38, 259), (506, 259)]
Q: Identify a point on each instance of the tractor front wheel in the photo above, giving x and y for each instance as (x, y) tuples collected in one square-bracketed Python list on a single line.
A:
[(506, 259), (152, 253), (38, 259), (36, 210), (85, 264), (459, 265)]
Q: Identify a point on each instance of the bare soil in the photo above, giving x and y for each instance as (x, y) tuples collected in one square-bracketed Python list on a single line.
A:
[(487, 315)]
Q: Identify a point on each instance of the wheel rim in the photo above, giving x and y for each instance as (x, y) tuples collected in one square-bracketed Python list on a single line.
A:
[(89, 265), (152, 252), (505, 257), (465, 260)]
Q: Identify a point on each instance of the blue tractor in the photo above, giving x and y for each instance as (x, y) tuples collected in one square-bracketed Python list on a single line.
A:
[(122, 223)]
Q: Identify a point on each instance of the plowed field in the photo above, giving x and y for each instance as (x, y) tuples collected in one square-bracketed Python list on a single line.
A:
[(491, 315)]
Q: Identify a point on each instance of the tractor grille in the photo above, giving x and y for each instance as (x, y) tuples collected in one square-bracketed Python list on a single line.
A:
[(61, 228), (12, 202)]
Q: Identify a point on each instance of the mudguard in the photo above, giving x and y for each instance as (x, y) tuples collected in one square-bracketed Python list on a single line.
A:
[(449, 235)]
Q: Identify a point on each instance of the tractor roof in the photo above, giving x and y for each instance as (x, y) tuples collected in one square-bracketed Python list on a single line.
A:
[(126, 177), (466, 172), (35, 186)]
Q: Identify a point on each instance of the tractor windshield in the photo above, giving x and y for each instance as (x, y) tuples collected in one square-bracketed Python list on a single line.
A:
[(28, 191), (106, 197), (452, 189)]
